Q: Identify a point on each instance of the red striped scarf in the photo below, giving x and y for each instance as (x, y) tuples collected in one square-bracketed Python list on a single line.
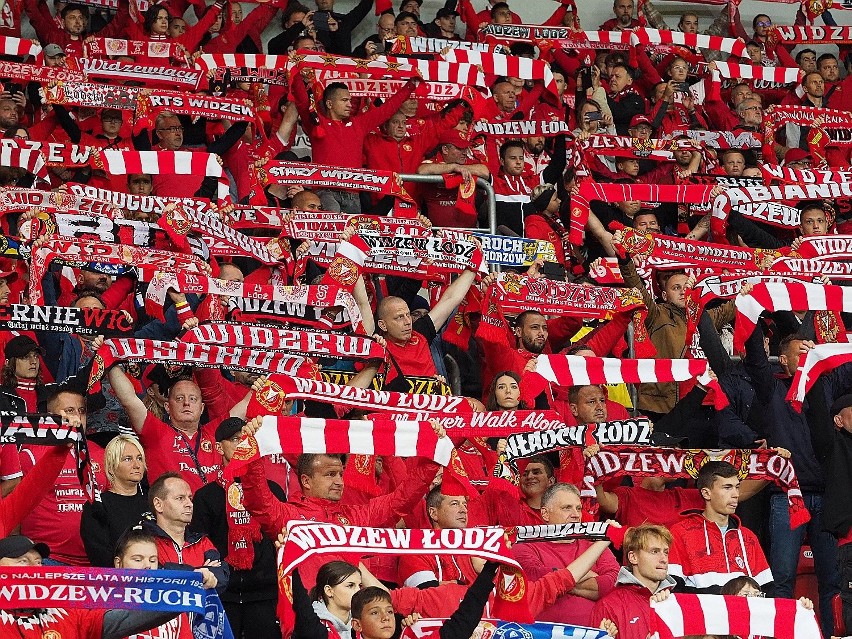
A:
[(222, 239), (12, 200), (151, 75), (818, 360), (385, 88), (154, 204), (88, 94), (299, 435), (779, 75), (788, 296), (646, 36), (590, 191), (37, 73), (779, 115), (405, 45), (19, 47), (505, 66), (684, 615)]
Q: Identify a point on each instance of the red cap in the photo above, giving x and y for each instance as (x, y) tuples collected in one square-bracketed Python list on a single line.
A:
[(636, 120), (796, 155), (454, 137)]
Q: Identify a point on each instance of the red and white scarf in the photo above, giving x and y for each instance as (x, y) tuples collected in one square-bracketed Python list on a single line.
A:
[(13, 200), (150, 105), (405, 45), (505, 66), (19, 47), (779, 115), (78, 253), (94, 47), (317, 343), (154, 204), (646, 36), (38, 73), (670, 463), (279, 389), (88, 94), (821, 359), (299, 435), (779, 75), (685, 615), (573, 370), (385, 88), (326, 226), (222, 239), (786, 296), (243, 529), (201, 355), (560, 36), (319, 295), (151, 75), (590, 191), (812, 34)]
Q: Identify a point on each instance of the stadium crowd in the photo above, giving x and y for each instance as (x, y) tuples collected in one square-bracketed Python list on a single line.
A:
[(585, 284)]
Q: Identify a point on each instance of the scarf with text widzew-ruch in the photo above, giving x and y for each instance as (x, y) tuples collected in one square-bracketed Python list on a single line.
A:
[(671, 463), (35, 595)]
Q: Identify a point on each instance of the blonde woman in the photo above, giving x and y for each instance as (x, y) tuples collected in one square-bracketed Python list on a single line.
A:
[(122, 506)]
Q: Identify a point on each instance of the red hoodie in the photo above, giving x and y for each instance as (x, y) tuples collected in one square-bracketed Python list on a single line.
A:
[(628, 606)]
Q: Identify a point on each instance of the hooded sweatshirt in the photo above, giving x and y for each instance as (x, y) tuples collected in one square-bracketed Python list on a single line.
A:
[(332, 622), (628, 606)]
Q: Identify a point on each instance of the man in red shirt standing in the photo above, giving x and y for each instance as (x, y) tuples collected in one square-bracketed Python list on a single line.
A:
[(182, 444), (646, 553), (623, 20)]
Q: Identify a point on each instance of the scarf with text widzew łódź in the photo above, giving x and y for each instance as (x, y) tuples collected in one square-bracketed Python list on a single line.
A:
[(671, 463)]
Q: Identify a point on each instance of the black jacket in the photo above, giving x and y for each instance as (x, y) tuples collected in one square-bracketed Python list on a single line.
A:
[(105, 520), (833, 449), (209, 517)]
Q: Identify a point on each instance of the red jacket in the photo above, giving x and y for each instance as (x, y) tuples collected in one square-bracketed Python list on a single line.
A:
[(706, 560), (32, 489), (628, 606), (49, 32)]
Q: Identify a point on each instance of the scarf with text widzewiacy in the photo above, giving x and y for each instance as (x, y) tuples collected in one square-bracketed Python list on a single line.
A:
[(671, 463), (202, 355), (307, 539), (318, 343), (34, 595)]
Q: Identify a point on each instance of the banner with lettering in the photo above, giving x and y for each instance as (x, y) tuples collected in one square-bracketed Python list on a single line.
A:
[(65, 319), (499, 629), (318, 176), (618, 432)]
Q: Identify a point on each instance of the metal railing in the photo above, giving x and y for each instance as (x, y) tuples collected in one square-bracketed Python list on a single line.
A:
[(490, 201)]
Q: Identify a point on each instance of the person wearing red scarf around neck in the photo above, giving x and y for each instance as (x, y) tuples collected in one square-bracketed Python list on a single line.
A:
[(74, 19)]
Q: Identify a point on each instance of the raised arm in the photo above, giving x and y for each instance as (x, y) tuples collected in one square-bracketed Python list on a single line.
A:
[(126, 394), (451, 298)]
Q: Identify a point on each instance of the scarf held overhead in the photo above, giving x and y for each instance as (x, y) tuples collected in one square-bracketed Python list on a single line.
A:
[(65, 319), (618, 432), (330, 177), (670, 463)]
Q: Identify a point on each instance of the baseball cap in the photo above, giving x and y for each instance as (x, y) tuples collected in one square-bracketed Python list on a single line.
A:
[(18, 545), (21, 346), (53, 50), (443, 12), (796, 155), (636, 120), (227, 428), (454, 137), (844, 401)]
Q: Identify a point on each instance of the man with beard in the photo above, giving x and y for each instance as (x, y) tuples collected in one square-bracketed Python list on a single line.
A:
[(623, 20), (534, 335)]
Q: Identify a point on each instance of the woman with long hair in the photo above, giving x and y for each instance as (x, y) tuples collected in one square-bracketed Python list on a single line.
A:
[(505, 393)]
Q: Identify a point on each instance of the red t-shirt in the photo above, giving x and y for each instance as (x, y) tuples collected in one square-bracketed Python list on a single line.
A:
[(638, 505), (10, 463), (56, 519), (168, 449), (55, 622)]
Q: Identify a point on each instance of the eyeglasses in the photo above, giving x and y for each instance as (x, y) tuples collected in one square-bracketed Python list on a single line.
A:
[(764, 23), (680, 67), (171, 129), (753, 593)]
